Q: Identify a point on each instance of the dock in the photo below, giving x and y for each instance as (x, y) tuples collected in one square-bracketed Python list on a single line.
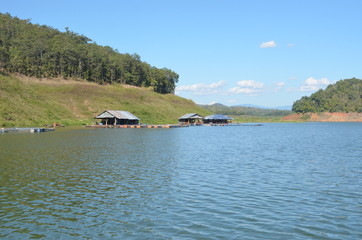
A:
[(137, 126), (228, 124), (25, 130)]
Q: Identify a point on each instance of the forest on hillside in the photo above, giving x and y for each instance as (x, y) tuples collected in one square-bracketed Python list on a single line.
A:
[(44, 52), (343, 96), (240, 110)]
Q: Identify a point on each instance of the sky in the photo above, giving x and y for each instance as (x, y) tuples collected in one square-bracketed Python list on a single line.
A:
[(263, 52)]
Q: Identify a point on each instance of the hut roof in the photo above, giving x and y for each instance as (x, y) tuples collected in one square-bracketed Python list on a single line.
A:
[(218, 117), (117, 114), (190, 115)]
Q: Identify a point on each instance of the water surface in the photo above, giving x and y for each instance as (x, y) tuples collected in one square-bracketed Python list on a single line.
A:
[(277, 181)]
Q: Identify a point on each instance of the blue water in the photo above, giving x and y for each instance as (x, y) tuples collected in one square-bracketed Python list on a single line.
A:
[(277, 181)]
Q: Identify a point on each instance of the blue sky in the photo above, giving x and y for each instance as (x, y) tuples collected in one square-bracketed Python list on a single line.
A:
[(260, 52)]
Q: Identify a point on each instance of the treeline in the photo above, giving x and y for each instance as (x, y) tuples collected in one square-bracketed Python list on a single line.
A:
[(343, 96), (218, 108), (42, 51)]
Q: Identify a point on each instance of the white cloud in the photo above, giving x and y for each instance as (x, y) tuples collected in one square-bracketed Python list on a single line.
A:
[(232, 101), (290, 44), (238, 90), (316, 82), (312, 84), (202, 89), (268, 44), (250, 84), (280, 84), (249, 87)]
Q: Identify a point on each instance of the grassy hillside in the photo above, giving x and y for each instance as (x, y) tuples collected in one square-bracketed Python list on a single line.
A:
[(35, 102), (256, 119)]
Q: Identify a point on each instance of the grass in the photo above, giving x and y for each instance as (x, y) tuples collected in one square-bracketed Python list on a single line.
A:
[(33, 102), (257, 119)]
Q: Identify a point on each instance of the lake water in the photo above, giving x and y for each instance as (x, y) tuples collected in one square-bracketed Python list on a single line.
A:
[(277, 181)]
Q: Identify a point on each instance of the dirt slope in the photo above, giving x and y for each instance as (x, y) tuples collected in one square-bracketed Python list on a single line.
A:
[(325, 117)]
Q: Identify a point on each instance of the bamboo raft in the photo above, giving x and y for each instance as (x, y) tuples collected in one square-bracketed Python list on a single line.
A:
[(25, 130)]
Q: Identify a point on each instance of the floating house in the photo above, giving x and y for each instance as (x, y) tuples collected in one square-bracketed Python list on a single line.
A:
[(110, 117), (217, 119), (190, 118)]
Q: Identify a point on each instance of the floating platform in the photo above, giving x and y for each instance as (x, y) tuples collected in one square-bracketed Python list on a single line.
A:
[(25, 130), (228, 124), (137, 126), (170, 125)]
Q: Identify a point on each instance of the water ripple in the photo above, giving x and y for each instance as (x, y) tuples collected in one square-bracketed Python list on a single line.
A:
[(279, 181)]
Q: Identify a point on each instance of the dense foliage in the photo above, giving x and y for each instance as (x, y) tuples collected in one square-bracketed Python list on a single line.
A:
[(343, 96), (42, 51), (240, 111)]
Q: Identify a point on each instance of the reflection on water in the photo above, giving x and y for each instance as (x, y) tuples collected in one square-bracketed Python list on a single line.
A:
[(278, 181)]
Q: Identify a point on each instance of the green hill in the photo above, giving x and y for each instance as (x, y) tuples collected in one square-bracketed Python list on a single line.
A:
[(244, 111), (26, 101), (39, 66), (343, 96)]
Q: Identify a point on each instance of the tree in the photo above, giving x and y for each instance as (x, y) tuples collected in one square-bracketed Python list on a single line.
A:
[(343, 96), (42, 51)]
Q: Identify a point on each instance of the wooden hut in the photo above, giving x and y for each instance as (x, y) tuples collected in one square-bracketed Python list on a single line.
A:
[(217, 119), (110, 117), (190, 118)]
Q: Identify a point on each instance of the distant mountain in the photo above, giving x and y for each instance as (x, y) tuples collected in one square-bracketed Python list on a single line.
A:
[(263, 107), (217, 105), (250, 110), (287, 107)]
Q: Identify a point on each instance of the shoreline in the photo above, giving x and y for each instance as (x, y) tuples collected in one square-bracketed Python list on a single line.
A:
[(293, 118), (324, 117)]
